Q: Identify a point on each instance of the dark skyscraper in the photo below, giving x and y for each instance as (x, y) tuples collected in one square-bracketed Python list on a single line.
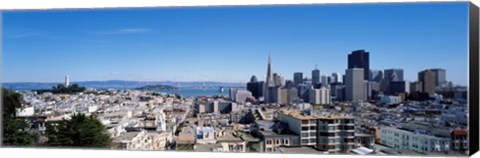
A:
[(256, 87), (360, 59), (297, 78), (316, 76)]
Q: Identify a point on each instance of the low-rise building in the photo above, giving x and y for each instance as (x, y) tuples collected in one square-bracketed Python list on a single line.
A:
[(133, 140), (403, 139)]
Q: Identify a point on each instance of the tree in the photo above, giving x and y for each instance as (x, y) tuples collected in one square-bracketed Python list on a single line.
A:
[(12, 102), (16, 132), (79, 131)]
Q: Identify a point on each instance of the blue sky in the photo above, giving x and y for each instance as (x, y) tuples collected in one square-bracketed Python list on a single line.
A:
[(232, 43)]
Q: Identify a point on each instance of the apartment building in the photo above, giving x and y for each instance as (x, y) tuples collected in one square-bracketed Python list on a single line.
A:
[(325, 132)]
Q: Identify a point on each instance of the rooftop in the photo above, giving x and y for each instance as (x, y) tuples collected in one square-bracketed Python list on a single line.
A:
[(297, 114), (126, 137)]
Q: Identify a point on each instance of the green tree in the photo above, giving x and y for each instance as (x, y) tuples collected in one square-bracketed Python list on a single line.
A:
[(79, 131), (16, 132)]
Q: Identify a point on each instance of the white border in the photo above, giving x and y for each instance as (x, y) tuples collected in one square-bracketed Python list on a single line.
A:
[(66, 4)]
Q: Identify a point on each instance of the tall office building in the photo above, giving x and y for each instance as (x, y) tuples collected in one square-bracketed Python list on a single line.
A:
[(376, 76), (67, 81), (360, 59), (304, 91), (289, 84), (440, 77), (324, 81), (270, 82), (275, 94), (354, 84), (320, 96), (427, 77), (256, 87), (316, 76), (336, 78), (298, 78), (279, 80), (397, 87), (390, 75), (394, 74), (292, 94)]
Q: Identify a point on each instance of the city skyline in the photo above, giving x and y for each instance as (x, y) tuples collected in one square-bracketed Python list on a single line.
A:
[(220, 49)]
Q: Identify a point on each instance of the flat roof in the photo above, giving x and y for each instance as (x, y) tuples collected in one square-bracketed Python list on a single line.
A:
[(126, 137), (297, 114), (300, 150)]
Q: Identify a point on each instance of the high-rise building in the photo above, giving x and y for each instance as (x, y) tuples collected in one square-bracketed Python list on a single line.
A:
[(304, 92), (390, 75), (320, 96), (427, 77), (279, 80), (376, 76), (270, 81), (275, 94), (298, 78), (394, 74), (324, 81), (440, 77), (397, 87), (256, 87), (67, 81), (315, 76), (336, 78), (289, 84), (354, 85), (292, 94), (284, 95), (360, 59), (416, 87)]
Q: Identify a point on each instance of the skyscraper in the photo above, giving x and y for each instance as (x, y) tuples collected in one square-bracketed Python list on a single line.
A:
[(256, 87), (336, 78), (440, 77), (279, 80), (324, 81), (360, 59), (269, 82), (390, 75), (376, 76), (67, 81), (427, 78), (354, 85), (315, 76), (394, 74), (298, 78)]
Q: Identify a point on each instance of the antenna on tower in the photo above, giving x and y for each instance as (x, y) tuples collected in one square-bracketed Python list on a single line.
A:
[(316, 66)]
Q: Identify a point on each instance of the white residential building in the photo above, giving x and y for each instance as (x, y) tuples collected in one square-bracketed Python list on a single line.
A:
[(133, 141), (407, 140), (320, 96)]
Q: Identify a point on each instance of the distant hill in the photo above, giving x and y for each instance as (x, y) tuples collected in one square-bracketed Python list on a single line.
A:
[(156, 88), (117, 84)]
